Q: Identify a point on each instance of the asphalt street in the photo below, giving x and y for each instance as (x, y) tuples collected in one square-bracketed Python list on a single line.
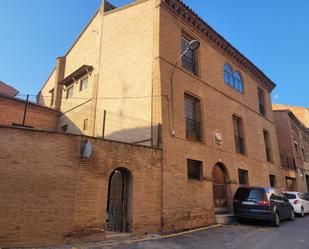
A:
[(290, 235), (250, 235)]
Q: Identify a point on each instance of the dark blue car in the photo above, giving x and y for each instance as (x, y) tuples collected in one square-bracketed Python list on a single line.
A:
[(260, 203)]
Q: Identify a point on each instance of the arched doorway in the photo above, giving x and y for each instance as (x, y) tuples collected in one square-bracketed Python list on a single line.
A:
[(220, 178), (119, 201)]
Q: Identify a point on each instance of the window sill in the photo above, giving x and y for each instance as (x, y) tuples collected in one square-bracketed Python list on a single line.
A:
[(195, 141), (241, 154), (241, 93), (197, 76), (196, 180)]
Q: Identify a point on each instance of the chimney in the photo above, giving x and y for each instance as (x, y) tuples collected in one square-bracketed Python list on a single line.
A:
[(60, 67)]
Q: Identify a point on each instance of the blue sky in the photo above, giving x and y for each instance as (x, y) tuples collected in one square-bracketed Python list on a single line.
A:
[(273, 34)]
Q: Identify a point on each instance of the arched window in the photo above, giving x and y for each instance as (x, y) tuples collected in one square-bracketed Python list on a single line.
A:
[(233, 79), (228, 75), (238, 82)]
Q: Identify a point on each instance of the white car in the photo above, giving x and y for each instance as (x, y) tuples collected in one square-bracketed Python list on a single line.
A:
[(299, 202)]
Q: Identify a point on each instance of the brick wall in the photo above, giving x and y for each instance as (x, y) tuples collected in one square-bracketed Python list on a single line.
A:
[(12, 111), (48, 194)]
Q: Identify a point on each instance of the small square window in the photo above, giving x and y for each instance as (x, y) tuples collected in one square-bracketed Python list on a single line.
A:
[(290, 184), (243, 177), (69, 92), (85, 126), (273, 181), (195, 169), (52, 93), (64, 128), (83, 84)]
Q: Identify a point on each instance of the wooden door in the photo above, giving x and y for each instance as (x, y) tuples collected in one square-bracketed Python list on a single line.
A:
[(219, 188), (117, 202)]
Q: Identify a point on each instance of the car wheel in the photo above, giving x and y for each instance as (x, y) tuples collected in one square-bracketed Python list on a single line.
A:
[(292, 216), (276, 221), (302, 212)]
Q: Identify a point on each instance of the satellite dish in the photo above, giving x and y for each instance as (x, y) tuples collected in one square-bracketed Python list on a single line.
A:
[(87, 151)]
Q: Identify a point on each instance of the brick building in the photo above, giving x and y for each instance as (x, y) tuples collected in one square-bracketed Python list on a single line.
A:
[(7, 90), (211, 112), (293, 138), (302, 113)]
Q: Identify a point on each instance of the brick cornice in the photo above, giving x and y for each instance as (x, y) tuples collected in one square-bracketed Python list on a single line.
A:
[(189, 16)]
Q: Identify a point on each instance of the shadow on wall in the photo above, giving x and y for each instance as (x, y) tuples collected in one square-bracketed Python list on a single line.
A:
[(150, 136), (144, 135)]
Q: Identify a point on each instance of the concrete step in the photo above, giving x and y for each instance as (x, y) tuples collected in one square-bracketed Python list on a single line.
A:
[(225, 219)]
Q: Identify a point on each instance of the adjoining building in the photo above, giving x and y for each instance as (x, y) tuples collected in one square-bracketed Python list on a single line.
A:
[(302, 113), (19, 112), (7, 90), (293, 138), (210, 110)]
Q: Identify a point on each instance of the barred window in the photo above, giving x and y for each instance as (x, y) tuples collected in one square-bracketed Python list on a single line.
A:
[(238, 135), (243, 177), (195, 169), (267, 146), (193, 118), (261, 99), (189, 59)]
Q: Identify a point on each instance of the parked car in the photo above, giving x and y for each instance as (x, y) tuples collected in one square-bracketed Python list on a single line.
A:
[(260, 203), (299, 202)]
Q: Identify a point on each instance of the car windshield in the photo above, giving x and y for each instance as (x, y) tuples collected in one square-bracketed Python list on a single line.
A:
[(290, 196), (250, 194)]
